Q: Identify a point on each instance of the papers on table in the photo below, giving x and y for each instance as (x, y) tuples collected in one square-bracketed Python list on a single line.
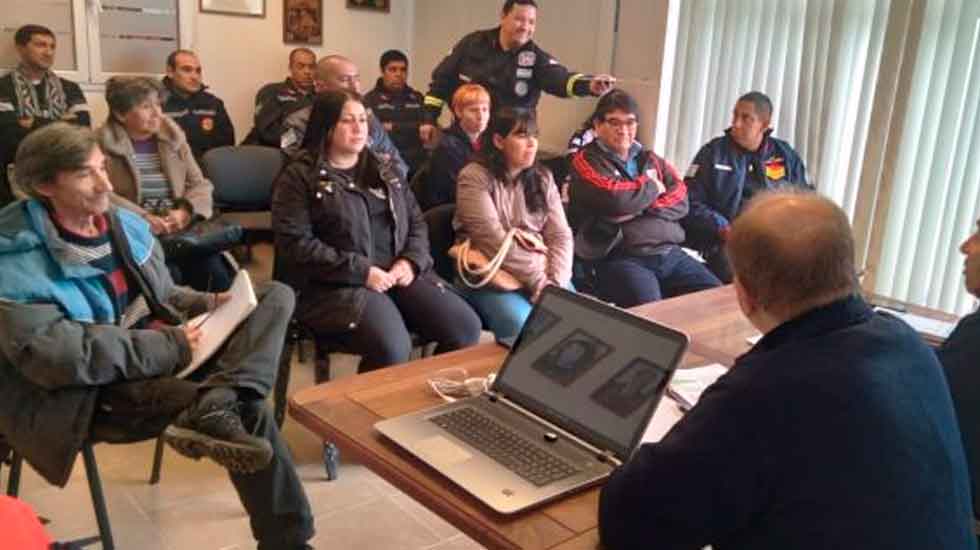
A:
[(688, 384), (683, 393), (219, 324), (930, 328)]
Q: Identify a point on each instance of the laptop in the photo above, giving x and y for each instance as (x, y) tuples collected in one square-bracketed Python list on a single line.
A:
[(569, 405)]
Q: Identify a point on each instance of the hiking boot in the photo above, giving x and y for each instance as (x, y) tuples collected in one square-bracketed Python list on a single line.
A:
[(213, 428)]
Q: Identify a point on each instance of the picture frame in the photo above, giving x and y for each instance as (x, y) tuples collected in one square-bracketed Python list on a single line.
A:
[(302, 22), (370, 5), (243, 8)]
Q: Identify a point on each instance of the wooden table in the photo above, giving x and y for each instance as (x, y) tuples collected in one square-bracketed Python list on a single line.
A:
[(345, 411)]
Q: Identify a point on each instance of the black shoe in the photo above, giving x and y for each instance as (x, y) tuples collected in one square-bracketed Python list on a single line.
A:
[(213, 428)]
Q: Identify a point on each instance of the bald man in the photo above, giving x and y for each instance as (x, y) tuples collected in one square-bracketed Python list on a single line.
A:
[(835, 431), (336, 72)]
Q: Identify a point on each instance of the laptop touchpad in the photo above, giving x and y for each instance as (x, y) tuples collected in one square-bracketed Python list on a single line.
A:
[(440, 451)]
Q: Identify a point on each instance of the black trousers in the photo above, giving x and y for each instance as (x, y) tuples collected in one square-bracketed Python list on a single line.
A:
[(428, 307), (211, 273), (273, 497)]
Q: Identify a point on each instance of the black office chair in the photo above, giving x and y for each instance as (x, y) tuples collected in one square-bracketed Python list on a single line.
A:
[(441, 236), (108, 428), (243, 177)]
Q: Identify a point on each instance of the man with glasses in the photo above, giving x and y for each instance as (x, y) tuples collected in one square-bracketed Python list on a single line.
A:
[(729, 170), (626, 206), (32, 96), (336, 72)]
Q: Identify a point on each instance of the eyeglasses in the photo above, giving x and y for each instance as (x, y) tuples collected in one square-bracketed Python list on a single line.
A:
[(618, 123)]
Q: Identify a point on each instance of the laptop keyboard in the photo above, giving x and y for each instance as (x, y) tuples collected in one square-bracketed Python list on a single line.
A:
[(504, 445)]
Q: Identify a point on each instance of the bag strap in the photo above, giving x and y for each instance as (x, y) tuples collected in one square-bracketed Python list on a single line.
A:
[(487, 272)]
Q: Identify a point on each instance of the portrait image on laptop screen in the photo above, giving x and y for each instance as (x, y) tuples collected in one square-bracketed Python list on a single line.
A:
[(579, 362)]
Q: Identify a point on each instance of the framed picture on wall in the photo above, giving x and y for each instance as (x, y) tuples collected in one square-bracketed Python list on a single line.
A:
[(373, 5), (302, 22), (248, 8)]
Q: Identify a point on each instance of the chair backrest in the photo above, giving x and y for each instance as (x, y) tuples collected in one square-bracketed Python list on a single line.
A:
[(243, 176), (441, 237)]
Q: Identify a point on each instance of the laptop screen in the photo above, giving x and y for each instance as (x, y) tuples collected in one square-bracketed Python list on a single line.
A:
[(593, 369)]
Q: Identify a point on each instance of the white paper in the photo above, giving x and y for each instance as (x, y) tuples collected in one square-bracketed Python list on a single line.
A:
[(689, 384), (923, 325), (223, 321), (666, 415)]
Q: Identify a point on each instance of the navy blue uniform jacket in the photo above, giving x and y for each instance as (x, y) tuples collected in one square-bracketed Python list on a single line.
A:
[(835, 431), (960, 356), (723, 176)]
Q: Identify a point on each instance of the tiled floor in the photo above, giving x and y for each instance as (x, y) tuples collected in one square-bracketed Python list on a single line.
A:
[(195, 507)]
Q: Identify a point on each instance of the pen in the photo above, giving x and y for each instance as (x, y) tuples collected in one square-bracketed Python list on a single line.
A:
[(682, 403)]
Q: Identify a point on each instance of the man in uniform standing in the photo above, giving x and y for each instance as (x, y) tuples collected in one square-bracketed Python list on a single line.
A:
[(32, 96), (277, 100), (509, 65), (199, 113)]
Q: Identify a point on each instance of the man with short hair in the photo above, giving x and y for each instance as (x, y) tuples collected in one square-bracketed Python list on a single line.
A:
[(836, 430), (625, 205), (506, 61), (199, 113), (960, 356), (336, 72), (32, 96), (399, 108), (729, 170), (278, 100)]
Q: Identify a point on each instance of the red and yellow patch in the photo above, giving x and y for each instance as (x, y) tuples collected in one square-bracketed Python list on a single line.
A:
[(775, 169), (207, 124)]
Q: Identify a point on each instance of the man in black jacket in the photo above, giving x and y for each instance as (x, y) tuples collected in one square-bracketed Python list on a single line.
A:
[(32, 96), (960, 356), (198, 112), (278, 100), (835, 431), (507, 62), (399, 108)]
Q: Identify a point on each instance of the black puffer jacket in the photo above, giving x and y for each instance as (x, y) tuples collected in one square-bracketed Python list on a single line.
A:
[(323, 235)]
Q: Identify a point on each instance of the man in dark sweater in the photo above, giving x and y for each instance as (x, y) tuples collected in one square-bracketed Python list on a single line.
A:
[(835, 431), (960, 356), (32, 96), (399, 108), (198, 112)]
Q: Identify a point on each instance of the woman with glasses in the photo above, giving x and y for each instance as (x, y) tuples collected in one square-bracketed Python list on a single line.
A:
[(503, 189), (626, 206), (356, 247), (153, 172)]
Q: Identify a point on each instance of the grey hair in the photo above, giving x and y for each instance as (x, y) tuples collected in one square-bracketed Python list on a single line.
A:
[(122, 93), (48, 151)]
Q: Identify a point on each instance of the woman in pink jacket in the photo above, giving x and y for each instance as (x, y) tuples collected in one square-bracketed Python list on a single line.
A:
[(506, 188)]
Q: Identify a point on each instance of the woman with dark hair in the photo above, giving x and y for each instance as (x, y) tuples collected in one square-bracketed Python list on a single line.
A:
[(356, 247), (505, 192), (154, 174)]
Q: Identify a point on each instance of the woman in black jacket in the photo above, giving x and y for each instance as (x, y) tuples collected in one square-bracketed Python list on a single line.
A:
[(356, 247)]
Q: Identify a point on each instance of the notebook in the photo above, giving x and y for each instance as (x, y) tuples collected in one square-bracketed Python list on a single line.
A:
[(569, 405)]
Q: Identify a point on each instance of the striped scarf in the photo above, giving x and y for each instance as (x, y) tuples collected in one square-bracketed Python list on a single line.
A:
[(55, 105)]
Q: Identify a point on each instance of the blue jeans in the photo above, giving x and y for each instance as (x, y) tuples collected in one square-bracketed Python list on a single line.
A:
[(629, 281), (503, 313)]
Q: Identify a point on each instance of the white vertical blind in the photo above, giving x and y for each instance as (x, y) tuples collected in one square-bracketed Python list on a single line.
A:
[(816, 59), (934, 201)]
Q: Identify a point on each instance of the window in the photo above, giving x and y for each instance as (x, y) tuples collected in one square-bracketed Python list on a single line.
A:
[(100, 38)]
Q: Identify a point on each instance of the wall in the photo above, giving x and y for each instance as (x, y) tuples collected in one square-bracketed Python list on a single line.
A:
[(240, 54)]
